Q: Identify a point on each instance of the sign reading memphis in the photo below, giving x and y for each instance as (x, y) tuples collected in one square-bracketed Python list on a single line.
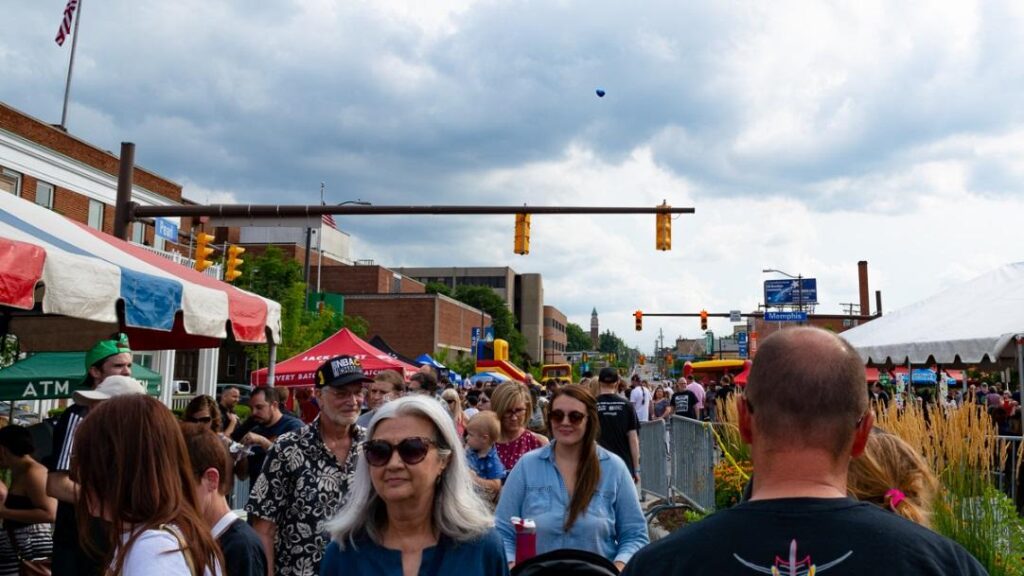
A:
[(785, 316), (790, 291)]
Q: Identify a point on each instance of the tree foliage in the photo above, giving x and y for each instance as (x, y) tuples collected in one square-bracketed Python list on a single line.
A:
[(438, 288), (608, 342), (576, 338), (279, 278), (504, 321)]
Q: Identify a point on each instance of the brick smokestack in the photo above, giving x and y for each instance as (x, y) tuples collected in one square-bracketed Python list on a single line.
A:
[(862, 281)]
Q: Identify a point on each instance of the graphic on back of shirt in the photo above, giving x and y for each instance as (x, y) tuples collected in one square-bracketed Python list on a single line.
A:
[(791, 566)]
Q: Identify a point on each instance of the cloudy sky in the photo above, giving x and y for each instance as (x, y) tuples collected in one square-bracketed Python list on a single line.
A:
[(807, 136)]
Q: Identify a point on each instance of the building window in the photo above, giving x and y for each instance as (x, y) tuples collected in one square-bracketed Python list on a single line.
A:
[(10, 181), (96, 214), (138, 233), (232, 365), (144, 360), (44, 195)]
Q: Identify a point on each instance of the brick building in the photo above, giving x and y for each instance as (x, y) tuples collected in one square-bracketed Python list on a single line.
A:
[(414, 324), (48, 166), (52, 168), (522, 293), (555, 339)]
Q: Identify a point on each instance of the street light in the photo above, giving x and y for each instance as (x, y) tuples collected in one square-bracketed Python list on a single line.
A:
[(309, 242)]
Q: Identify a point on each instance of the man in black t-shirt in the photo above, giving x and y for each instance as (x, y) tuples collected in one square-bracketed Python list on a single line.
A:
[(805, 415), (229, 398), (107, 358), (270, 423), (619, 425), (684, 402)]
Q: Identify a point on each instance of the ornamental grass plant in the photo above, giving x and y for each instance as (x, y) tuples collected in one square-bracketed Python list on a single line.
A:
[(962, 447)]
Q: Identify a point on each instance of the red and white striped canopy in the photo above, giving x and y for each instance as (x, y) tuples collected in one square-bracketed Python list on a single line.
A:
[(66, 285)]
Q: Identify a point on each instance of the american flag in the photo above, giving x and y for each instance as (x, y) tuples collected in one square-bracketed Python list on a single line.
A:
[(65, 24), (327, 218)]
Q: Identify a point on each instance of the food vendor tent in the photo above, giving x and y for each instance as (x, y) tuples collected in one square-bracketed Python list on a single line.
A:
[(64, 286), (299, 370), (49, 375)]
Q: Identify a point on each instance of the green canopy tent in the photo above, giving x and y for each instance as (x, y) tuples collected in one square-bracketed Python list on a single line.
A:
[(49, 375)]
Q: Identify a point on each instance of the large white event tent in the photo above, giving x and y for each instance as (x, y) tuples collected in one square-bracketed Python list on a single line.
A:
[(975, 322), (972, 323)]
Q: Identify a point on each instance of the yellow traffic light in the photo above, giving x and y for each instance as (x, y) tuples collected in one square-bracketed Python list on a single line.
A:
[(522, 243), (203, 251), (639, 320), (663, 229), (703, 319), (642, 359), (232, 272)]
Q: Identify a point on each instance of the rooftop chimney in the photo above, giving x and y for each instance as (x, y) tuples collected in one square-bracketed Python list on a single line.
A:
[(862, 281)]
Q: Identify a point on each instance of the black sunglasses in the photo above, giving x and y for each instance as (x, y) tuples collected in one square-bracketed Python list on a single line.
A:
[(202, 420), (411, 450), (557, 416)]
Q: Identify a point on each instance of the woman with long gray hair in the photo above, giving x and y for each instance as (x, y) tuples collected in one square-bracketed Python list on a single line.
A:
[(412, 509)]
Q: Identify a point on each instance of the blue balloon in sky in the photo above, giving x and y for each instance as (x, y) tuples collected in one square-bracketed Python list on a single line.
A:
[(600, 93)]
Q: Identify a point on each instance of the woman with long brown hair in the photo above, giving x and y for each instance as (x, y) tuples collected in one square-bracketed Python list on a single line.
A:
[(579, 495), (133, 469), (203, 409)]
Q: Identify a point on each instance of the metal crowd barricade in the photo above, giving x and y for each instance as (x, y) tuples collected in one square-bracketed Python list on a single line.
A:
[(240, 495), (1007, 477), (654, 478), (693, 453)]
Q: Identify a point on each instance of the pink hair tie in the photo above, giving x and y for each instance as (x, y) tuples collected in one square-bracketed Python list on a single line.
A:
[(895, 497)]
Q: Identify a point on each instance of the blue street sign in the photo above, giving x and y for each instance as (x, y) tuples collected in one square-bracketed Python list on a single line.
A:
[(166, 229), (741, 344), (789, 291), (785, 316)]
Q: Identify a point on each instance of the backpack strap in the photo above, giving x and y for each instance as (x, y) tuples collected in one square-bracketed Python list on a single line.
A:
[(189, 561)]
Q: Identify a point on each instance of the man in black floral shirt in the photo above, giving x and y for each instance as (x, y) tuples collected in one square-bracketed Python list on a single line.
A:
[(306, 475)]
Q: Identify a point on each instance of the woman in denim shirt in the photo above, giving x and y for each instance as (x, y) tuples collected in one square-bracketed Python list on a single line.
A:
[(580, 495)]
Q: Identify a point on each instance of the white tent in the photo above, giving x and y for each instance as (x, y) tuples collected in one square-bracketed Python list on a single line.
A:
[(970, 323)]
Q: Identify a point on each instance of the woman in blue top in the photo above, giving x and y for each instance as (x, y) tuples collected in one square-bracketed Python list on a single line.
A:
[(580, 495), (413, 509)]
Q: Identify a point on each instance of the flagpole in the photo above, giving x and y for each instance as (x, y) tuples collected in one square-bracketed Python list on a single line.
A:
[(319, 252), (71, 66)]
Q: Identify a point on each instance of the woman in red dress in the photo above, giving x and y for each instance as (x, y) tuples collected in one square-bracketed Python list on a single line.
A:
[(513, 404)]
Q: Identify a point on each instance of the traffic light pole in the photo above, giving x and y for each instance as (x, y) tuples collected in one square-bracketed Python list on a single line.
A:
[(255, 211), (709, 314)]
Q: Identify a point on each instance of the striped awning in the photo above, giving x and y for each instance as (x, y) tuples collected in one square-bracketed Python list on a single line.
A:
[(77, 285)]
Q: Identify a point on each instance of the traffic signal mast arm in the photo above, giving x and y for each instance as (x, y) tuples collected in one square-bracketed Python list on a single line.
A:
[(698, 314)]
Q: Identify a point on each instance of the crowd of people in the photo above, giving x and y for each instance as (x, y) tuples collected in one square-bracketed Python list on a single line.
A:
[(404, 476)]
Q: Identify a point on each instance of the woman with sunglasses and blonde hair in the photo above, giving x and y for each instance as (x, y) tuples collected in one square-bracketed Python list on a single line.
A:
[(513, 404), (412, 508), (579, 495), (454, 404)]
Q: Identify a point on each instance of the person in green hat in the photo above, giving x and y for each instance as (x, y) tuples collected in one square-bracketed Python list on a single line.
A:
[(112, 357)]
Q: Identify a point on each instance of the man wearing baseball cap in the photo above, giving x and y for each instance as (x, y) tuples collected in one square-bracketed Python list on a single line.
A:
[(108, 358), (305, 478)]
